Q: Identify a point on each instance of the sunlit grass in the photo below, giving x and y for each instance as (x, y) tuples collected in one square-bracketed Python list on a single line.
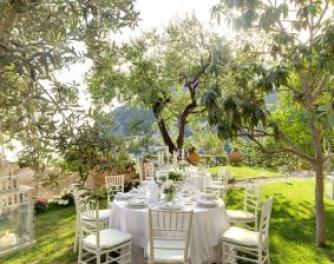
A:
[(292, 228), (243, 172)]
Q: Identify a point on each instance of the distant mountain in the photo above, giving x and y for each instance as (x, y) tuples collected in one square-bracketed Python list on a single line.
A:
[(132, 120)]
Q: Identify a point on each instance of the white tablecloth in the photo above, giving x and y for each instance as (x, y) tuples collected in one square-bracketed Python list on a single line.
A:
[(207, 228)]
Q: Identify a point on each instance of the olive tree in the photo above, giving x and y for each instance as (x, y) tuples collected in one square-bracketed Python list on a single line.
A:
[(291, 52)]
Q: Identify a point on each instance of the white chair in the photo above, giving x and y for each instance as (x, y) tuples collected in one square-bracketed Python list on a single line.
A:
[(249, 214), (99, 244), (114, 185), (197, 182), (148, 170), (219, 184), (80, 198), (139, 170), (169, 233), (250, 246)]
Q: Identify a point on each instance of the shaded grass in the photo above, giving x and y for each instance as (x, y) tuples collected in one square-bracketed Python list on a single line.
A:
[(245, 172), (292, 229), (54, 234)]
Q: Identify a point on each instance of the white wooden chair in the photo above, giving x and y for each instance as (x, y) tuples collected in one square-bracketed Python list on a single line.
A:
[(219, 184), (148, 170), (114, 185), (99, 244), (80, 198), (249, 246), (139, 170), (249, 214), (169, 233)]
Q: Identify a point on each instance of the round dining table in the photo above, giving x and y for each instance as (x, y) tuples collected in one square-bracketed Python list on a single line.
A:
[(208, 225)]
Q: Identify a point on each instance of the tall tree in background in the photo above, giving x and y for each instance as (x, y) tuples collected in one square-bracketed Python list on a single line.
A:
[(165, 72), (36, 39), (291, 53)]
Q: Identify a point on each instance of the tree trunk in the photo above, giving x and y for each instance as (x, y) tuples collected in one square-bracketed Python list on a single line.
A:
[(182, 123), (182, 127), (319, 204), (318, 167), (164, 133)]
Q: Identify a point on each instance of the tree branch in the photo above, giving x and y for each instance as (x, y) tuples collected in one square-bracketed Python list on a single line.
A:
[(290, 150)]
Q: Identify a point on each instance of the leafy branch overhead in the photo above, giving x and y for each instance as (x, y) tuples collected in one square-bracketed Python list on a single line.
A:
[(38, 38), (290, 54), (166, 72)]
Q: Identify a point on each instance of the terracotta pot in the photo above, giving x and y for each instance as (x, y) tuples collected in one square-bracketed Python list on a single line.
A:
[(194, 158), (235, 156)]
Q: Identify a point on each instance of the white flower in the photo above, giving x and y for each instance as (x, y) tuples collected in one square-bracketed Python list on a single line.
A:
[(62, 202), (168, 184)]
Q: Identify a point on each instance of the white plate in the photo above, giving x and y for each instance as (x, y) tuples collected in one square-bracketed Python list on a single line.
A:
[(123, 196), (207, 203), (207, 197), (137, 202)]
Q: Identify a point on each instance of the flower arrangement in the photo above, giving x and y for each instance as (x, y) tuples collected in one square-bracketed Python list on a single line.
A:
[(65, 198), (169, 190), (175, 176)]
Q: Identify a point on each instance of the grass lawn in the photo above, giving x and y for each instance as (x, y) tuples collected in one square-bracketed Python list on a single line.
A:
[(291, 230), (246, 172)]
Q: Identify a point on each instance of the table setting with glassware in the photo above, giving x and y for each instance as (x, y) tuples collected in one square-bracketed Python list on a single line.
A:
[(172, 190)]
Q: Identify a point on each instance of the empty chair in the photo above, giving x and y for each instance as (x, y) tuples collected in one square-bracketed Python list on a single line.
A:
[(114, 184), (145, 171), (139, 170), (249, 214), (100, 244), (249, 246), (197, 182), (220, 183), (80, 198), (148, 170), (169, 236)]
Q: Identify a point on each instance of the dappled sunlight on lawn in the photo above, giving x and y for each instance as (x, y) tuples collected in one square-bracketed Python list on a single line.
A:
[(292, 228)]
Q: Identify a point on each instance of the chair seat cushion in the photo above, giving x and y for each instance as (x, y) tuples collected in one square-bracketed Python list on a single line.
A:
[(103, 215), (108, 238), (241, 236), (240, 215), (166, 251)]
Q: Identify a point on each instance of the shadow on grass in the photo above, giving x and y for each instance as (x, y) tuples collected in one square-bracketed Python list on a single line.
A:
[(292, 228), (54, 235)]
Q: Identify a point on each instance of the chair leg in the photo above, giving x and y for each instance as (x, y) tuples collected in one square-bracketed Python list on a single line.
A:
[(98, 258), (76, 239), (224, 251), (80, 254), (260, 256)]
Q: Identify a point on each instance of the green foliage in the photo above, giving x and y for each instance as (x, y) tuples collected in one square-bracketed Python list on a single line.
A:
[(164, 72), (298, 71), (37, 39), (174, 176), (95, 147)]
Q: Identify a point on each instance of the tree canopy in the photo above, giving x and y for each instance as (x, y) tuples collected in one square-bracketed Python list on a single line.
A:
[(166, 72), (37, 38), (293, 56)]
